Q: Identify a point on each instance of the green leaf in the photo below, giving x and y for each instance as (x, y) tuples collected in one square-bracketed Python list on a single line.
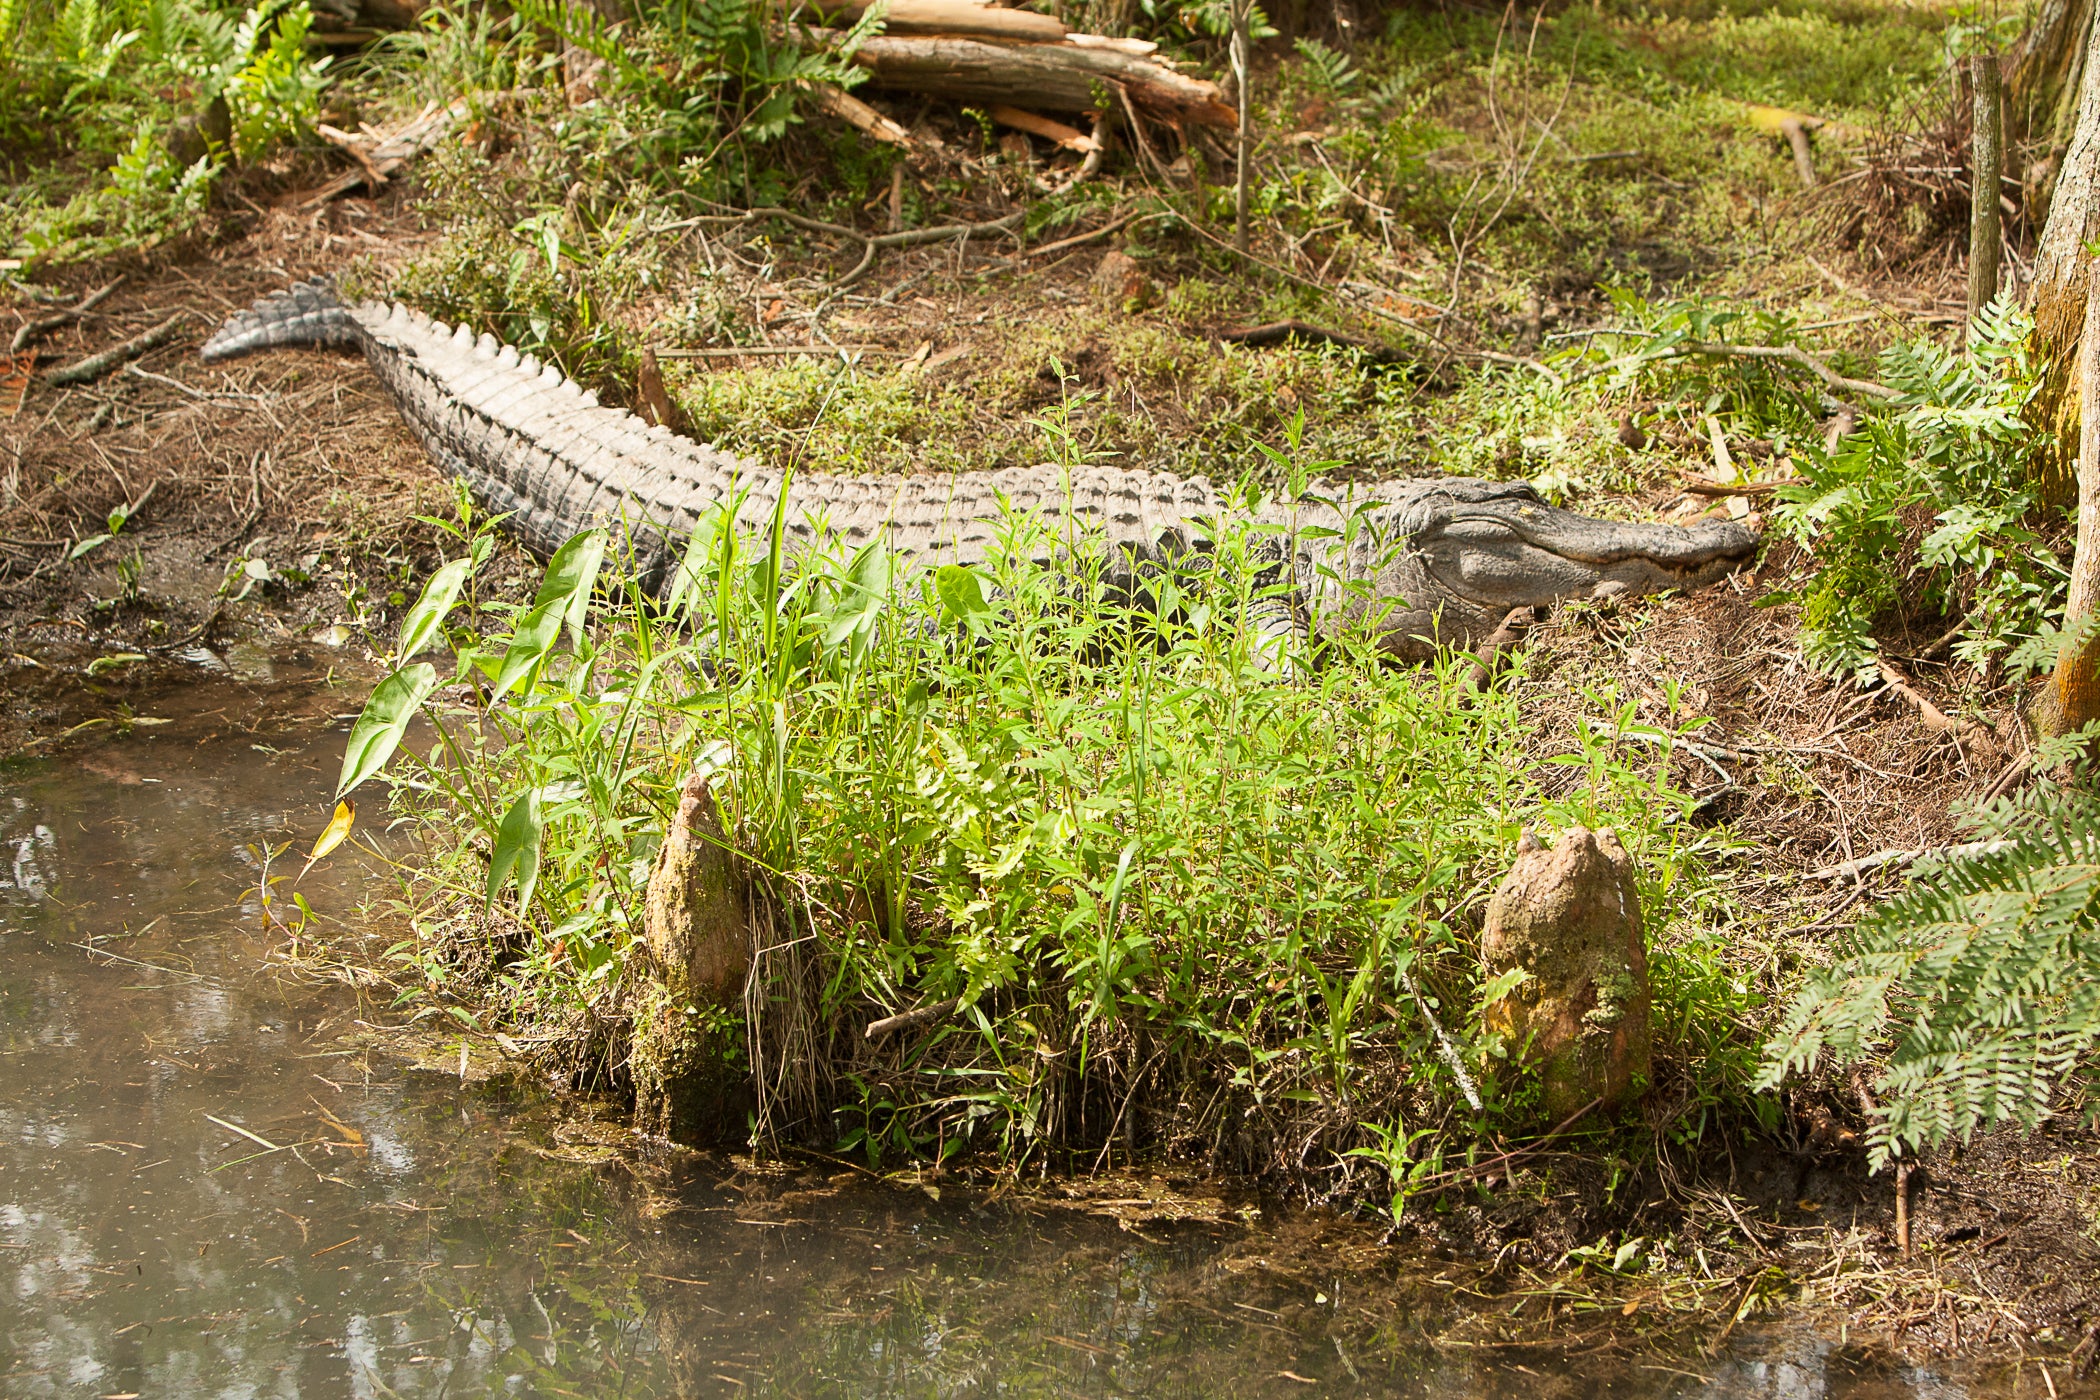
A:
[(386, 716), (692, 563), (517, 848), (571, 574), (962, 597), (87, 546), (564, 599), (530, 642), (421, 625)]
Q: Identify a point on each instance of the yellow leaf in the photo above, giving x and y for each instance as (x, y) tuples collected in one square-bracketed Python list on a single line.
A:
[(338, 828), (1773, 121)]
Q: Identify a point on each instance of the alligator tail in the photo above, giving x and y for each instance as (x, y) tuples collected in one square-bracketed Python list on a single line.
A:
[(305, 313)]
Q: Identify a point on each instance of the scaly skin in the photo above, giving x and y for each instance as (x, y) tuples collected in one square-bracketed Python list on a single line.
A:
[(530, 442)]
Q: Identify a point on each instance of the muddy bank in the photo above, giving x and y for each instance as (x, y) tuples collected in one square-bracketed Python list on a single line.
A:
[(221, 1172), (295, 463)]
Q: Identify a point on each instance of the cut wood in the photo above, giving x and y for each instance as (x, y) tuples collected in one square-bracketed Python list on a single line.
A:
[(1065, 136), (1062, 77), (965, 17), (1136, 48)]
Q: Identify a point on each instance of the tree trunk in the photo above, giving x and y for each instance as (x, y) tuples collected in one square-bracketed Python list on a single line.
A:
[(2073, 698), (2061, 272), (2042, 72), (1986, 167)]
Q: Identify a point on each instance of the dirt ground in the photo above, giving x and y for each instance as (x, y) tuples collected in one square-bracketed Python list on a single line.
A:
[(273, 505)]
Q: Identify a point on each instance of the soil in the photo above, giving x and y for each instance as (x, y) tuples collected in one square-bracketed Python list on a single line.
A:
[(275, 505)]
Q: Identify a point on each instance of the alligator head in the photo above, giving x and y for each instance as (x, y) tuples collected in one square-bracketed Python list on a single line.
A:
[(1453, 557)]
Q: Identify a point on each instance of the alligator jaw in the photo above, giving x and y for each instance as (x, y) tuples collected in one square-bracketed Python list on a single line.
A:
[(1478, 551)]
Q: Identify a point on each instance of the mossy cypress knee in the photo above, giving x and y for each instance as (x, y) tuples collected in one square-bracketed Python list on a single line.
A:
[(1569, 918), (691, 1077)]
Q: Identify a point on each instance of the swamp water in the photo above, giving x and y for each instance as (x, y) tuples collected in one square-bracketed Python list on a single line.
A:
[(211, 1186)]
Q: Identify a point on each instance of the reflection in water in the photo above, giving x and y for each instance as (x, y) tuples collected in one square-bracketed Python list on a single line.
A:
[(208, 1186)]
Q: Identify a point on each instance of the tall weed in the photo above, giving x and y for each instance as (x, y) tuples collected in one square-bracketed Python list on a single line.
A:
[(1163, 893)]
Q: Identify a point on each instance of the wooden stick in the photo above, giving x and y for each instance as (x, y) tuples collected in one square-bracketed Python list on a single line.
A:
[(1792, 354), (906, 1020), (1701, 486), (1931, 715), (28, 334), (1804, 163), (1986, 170), (1242, 81), (1286, 332), (95, 366), (851, 110), (731, 352), (1081, 238), (1065, 136)]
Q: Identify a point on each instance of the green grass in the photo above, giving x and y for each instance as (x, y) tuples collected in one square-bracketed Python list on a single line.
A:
[(1184, 902)]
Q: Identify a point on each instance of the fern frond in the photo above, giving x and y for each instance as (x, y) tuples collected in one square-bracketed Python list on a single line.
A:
[(1981, 983)]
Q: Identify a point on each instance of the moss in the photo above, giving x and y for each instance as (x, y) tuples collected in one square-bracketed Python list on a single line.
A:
[(692, 1078)]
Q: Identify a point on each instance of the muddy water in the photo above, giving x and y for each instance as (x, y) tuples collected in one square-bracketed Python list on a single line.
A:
[(212, 1185)]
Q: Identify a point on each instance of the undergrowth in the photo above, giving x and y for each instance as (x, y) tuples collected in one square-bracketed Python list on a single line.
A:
[(165, 93), (1164, 896)]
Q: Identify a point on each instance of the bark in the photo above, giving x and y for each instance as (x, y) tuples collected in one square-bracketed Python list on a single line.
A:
[(2042, 72), (2061, 272), (1986, 167), (1064, 77), (2073, 698)]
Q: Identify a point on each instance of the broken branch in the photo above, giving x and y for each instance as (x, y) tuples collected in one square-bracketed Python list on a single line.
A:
[(28, 334), (95, 366)]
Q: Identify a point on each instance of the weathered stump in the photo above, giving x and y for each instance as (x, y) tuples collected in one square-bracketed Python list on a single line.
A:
[(691, 1082), (1570, 919)]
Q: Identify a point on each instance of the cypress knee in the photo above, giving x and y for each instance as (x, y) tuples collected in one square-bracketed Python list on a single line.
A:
[(1569, 918), (691, 1083)]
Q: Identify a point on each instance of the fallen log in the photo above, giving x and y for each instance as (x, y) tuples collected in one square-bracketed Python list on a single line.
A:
[(1059, 77), (953, 17)]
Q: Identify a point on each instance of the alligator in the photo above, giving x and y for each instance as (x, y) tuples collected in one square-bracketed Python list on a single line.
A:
[(1441, 560)]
